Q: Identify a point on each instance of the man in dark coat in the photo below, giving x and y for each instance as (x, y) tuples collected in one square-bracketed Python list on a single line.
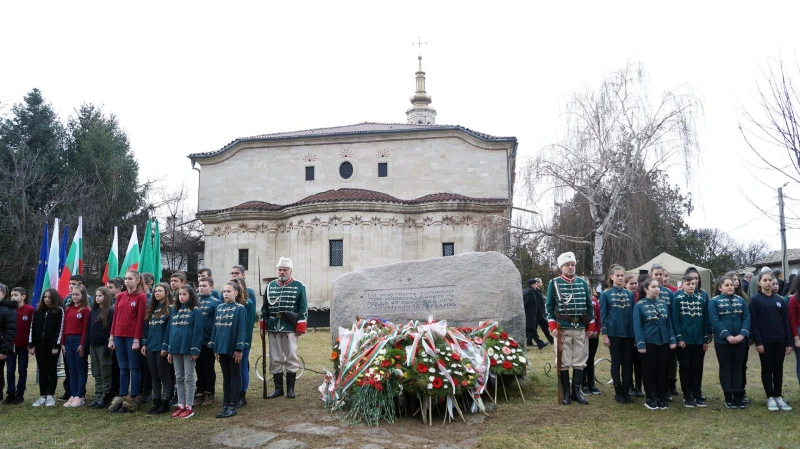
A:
[(534, 313)]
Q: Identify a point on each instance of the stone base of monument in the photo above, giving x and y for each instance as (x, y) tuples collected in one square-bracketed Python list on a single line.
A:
[(464, 290)]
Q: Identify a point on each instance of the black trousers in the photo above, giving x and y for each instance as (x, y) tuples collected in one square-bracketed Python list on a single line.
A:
[(48, 369), (622, 359), (772, 368), (231, 378), (691, 369), (542, 323), (159, 374), (636, 358), (672, 365), (746, 345), (532, 336), (731, 360), (588, 372), (206, 371), (654, 370), (147, 379)]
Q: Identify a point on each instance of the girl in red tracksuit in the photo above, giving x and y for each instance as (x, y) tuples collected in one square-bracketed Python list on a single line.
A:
[(75, 347)]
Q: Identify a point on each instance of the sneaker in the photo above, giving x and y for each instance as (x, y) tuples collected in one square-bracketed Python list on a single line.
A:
[(651, 404), (772, 405), (700, 402), (39, 402), (662, 404), (187, 413), (177, 413), (688, 403), (78, 402), (50, 402), (69, 402), (782, 404)]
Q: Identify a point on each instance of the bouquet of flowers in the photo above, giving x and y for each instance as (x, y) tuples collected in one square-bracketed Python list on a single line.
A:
[(506, 357)]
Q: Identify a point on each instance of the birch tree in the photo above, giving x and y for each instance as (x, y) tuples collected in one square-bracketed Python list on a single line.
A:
[(614, 134)]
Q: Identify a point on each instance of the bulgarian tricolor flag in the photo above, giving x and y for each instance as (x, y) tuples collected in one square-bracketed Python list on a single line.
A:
[(51, 276), (131, 261), (112, 264), (74, 263)]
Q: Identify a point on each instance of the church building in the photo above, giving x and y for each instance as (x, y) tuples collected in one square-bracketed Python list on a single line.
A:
[(355, 197)]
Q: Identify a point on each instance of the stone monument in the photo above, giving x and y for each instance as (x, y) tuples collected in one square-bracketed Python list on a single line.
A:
[(462, 289)]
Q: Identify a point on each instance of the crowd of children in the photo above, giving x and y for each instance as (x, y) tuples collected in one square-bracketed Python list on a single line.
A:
[(126, 330), (645, 323)]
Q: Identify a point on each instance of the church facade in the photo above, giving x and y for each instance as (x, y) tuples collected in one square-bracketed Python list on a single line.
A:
[(346, 198)]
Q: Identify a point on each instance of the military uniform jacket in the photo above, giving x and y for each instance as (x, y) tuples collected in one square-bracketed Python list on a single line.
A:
[(230, 328), (208, 307), (572, 300), (665, 295), (616, 312), (690, 317), (155, 332), (728, 315), (651, 323), (185, 331), (279, 298)]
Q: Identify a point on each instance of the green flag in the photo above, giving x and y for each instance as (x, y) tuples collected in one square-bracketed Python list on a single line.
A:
[(157, 254), (146, 258)]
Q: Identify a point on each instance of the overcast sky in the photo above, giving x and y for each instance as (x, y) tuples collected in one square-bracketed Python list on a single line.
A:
[(185, 77)]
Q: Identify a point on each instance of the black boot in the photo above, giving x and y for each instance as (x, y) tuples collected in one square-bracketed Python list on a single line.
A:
[(242, 401), (729, 400), (163, 408), (618, 395), (626, 393), (564, 377), (156, 406), (9, 399), (290, 378), (673, 389), (590, 382), (577, 374), (278, 378)]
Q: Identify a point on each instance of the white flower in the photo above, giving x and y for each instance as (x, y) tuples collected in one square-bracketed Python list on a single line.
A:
[(382, 351), (447, 358), (508, 344), (430, 378), (515, 364), (430, 386), (511, 357), (522, 359), (490, 352)]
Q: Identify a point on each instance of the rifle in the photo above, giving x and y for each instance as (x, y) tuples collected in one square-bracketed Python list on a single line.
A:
[(559, 351), (262, 331)]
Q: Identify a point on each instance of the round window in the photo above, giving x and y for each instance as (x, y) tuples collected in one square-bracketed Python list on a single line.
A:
[(346, 170)]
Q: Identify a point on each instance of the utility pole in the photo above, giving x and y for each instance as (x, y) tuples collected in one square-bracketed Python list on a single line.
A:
[(784, 265)]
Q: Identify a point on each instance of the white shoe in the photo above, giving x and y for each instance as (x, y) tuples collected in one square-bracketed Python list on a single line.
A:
[(78, 402), (782, 404), (50, 402), (69, 402), (39, 402), (772, 405)]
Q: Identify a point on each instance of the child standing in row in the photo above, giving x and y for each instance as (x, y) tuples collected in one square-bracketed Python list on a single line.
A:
[(616, 310), (76, 329), (588, 385), (729, 316), (155, 346), (185, 338), (18, 360), (206, 369), (100, 320), (8, 329), (228, 343), (631, 282), (44, 342), (769, 321), (655, 338), (690, 322), (125, 339)]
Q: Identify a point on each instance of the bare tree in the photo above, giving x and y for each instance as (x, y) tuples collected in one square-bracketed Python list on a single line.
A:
[(773, 132), (614, 134), (181, 235)]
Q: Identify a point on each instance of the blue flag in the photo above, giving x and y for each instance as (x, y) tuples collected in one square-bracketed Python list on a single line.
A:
[(41, 268), (62, 250)]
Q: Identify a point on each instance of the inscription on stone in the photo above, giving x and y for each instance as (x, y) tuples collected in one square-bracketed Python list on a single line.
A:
[(427, 299)]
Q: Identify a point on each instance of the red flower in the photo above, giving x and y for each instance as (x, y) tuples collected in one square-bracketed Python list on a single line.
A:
[(514, 344), (422, 368), (385, 364), (506, 365), (464, 383), (493, 335), (398, 345), (437, 382), (456, 357), (504, 335), (397, 365), (492, 362), (463, 344)]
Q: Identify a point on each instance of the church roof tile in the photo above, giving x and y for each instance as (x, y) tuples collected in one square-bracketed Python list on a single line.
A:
[(357, 129), (340, 195)]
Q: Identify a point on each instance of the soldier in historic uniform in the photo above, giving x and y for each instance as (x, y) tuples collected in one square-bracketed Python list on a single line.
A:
[(283, 317), (569, 306)]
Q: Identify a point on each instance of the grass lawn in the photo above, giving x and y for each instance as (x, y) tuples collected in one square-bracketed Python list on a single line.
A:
[(538, 422)]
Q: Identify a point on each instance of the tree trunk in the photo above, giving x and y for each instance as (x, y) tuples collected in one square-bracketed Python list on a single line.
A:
[(599, 249)]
